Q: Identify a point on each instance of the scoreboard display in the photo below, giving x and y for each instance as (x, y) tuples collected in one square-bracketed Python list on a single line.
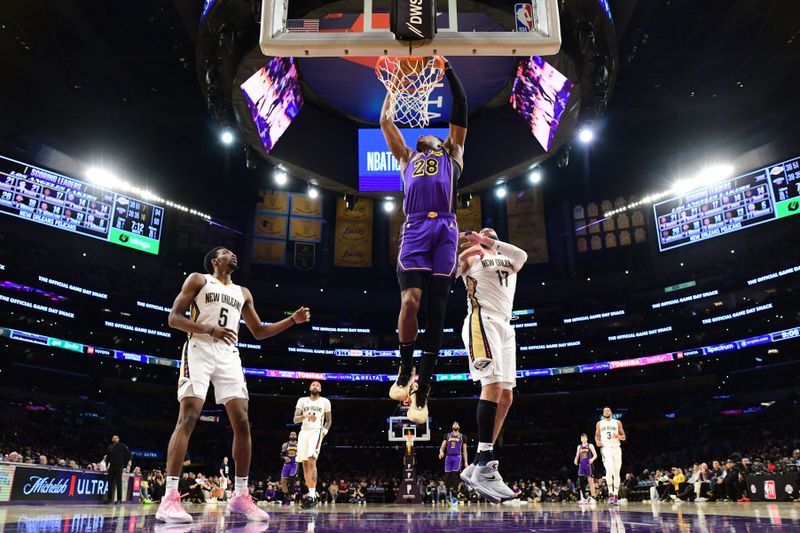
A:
[(754, 198), (38, 195)]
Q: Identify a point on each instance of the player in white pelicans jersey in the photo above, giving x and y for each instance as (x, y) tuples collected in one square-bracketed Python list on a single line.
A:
[(609, 434), (314, 413), (210, 356), (489, 269)]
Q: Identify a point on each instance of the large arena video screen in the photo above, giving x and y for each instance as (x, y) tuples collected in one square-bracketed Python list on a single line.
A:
[(754, 198), (41, 196), (274, 98), (540, 94), (378, 170)]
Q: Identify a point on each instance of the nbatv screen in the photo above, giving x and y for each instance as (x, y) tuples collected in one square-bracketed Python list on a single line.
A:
[(378, 170)]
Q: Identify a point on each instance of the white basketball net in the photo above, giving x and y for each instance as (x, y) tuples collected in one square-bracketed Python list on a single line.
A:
[(410, 82)]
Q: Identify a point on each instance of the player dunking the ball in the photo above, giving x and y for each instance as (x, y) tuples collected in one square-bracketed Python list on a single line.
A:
[(608, 435), (585, 456), (314, 413), (428, 242), (289, 470), (210, 356), (489, 269)]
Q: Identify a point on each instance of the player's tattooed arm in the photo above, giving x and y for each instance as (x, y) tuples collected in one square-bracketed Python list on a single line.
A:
[(263, 331), (298, 415), (620, 432), (597, 438), (283, 452), (327, 421)]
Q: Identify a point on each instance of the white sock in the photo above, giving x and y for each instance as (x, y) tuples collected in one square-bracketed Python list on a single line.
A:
[(312, 493), (240, 485), (485, 446), (172, 483)]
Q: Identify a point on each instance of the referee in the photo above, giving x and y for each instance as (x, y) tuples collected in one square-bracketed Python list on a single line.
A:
[(117, 457)]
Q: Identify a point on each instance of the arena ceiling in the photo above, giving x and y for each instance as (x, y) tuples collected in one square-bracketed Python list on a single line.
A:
[(117, 82)]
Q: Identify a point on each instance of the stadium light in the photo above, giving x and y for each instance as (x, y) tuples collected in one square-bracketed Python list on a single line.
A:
[(227, 137), (281, 178), (535, 176), (388, 205), (586, 135), (501, 191), (108, 180), (313, 193), (704, 178)]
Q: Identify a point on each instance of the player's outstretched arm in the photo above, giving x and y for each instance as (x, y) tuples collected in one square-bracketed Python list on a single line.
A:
[(177, 315), (263, 331), (454, 144), (394, 139)]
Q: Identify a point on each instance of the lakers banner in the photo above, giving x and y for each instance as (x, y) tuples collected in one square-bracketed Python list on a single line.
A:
[(361, 211), (305, 206), (470, 217), (271, 226), (526, 227), (273, 202), (269, 252), (305, 229), (353, 236)]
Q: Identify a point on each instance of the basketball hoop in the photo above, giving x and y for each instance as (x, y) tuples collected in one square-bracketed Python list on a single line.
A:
[(410, 82)]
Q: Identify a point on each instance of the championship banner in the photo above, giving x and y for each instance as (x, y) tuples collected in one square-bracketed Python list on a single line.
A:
[(361, 211), (353, 236), (305, 229), (271, 226), (305, 206), (273, 202), (269, 252), (470, 217), (526, 227)]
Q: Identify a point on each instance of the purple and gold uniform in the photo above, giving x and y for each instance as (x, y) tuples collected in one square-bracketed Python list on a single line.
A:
[(452, 459), (290, 468), (429, 238), (584, 464)]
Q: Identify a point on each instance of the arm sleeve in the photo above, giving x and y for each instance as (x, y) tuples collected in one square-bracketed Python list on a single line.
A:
[(518, 256), (458, 115)]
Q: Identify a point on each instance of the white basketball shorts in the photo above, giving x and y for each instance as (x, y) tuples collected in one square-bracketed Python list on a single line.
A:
[(214, 362), (492, 348)]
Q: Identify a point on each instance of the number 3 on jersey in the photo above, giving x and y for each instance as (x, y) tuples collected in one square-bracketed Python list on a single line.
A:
[(424, 167)]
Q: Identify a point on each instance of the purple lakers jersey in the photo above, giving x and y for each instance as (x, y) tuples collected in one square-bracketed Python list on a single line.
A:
[(429, 183), (290, 452), (584, 454), (454, 443)]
